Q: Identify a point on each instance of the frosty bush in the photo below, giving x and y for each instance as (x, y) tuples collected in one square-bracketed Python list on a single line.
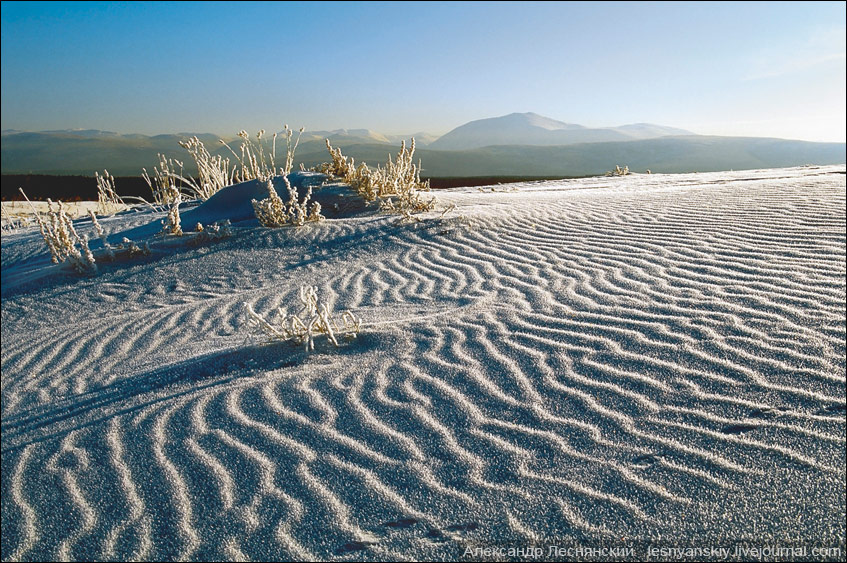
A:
[(108, 199), (313, 320), (339, 167), (215, 231), (163, 184), (618, 171), (61, 238), (397, 187), (174, 224), (273, 212), (215, 172)]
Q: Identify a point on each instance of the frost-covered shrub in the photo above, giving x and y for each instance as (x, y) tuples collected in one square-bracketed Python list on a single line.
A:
[(397, 187), (338, 167), (61, 238), (125, 249), (131, 249), (274, 212), (618, 171), (107, 248), (313, 320), (209, 233), (164, 184), (213, 171), (174, 224), (108, 199)]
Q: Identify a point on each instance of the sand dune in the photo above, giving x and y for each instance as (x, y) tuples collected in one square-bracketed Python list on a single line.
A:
[(622, 360)]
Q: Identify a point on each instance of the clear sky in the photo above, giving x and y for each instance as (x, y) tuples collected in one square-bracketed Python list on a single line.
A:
[(759, 69)]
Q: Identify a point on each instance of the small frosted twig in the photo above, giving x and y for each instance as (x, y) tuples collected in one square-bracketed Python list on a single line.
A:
[(447, 210), (106, 192), (102, 234), (265, 325), (313, 320)]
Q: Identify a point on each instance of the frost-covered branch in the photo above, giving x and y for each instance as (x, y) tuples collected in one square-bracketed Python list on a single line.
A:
[(314, 319)]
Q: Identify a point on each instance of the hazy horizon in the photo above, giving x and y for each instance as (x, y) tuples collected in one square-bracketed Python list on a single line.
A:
[(733, 69), (309, 130)]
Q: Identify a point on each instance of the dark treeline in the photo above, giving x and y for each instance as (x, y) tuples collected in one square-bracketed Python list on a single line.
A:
[(84, 188), (67, 188)]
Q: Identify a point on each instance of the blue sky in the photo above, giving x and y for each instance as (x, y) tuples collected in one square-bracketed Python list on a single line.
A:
[(759, 69)]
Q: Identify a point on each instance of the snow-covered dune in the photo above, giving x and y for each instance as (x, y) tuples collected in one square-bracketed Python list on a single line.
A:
[(605, 361)]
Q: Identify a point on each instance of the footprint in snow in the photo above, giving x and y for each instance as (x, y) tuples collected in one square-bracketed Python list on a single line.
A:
[(739, 428), (646, 460), (402, 523)]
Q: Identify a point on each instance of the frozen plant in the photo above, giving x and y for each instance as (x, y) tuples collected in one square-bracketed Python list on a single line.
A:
[(255, 163), (213, 173), (163, 184), (339, 167), (61, 238), (130, 248), (397, 187), (273, 212), (215, 231), (107, 198), (313, 320), (11, 223), (174, 226), (618, 171), (107, 248)]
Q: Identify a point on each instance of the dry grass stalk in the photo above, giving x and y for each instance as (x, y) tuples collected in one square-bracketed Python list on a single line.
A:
[(274, 212), (213, 171), (61, 238), (164, 182), (253, 162), (313, 320), (256, 163), (397, 187), (618, 171), (11, 223), (174, 224), (108, 199), (107, 248)]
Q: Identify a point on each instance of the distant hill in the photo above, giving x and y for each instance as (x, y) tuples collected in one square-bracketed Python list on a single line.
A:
[(667, 154), (84, 152), (341, 137), (345, 136), (537, 130)]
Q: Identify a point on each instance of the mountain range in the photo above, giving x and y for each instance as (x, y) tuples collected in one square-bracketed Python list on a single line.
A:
[(518, 144), (537, 130)]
